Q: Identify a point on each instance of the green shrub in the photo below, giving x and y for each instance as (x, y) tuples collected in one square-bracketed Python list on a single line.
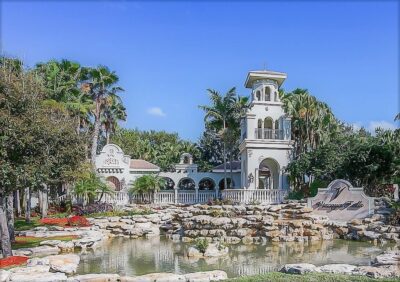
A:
[(201, 244)]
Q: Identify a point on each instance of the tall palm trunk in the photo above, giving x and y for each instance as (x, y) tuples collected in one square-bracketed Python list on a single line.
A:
[(10, 216), (17, 199), (27, 205), (224, 153), (4, 233), (95, 133)]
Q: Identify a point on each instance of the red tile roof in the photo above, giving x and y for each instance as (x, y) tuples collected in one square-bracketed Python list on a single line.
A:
[(142, 164)]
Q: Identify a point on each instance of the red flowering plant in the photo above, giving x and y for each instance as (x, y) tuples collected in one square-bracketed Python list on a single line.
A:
[(54, 221), (79, 221), (12, 261)]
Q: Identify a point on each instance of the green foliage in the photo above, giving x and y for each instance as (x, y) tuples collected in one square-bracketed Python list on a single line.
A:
[(161, 148), (147, 183), (88, 185), (201, 244)]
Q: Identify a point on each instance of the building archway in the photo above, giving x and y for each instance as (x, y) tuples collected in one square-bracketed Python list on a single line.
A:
[(113, 183), (169, 184), (206, 184), (267, 92), (230, 183), (268, 174), (186, 184)]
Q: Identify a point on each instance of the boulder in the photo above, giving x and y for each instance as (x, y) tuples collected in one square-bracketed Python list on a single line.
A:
[(388, 258), (66, 246), (215, 275), (216, 250), (4, 275), (385, 271), (193, 252), (95, 278), (38, 277), (299, 268), (159, 277), (52, 243), (338, 268), (67, 263)]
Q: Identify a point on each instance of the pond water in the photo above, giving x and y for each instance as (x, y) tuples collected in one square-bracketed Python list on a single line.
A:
[(141, 256)]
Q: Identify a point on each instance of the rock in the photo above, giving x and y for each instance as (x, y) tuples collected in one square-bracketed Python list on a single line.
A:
[(206, 276), (38, 261), (193, 252), (64, 263), (38, 277), (247, 240), (44, 250), (67, 246), (371, 235), (95, 278), (4, 275), (40, 229), (52, 243), (338, 268), (388, 258), (31, 269), (216, 250), (159, 277), (385, 271), (299, 268)]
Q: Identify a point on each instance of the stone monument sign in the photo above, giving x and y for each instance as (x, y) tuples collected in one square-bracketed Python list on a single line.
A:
[(340, 201)]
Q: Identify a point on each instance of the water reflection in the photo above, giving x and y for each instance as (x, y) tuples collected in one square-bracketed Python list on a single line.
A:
[(140, 256)]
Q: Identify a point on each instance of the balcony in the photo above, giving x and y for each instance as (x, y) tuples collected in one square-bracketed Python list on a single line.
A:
[(264, 133)]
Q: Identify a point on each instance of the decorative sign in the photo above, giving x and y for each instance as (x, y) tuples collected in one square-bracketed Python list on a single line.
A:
[(340, 201), (110, 159)]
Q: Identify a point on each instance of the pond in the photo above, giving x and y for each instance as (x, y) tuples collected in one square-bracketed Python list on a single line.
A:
[(159, 254)]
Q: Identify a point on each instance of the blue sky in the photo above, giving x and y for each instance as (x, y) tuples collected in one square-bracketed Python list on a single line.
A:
[(168, 54)]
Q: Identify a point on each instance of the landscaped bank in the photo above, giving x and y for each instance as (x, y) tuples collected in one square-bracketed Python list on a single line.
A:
[(288, 234)]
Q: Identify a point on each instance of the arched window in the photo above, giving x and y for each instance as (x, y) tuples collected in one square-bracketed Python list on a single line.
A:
[(169, 184), (276, 96), (258, 95), (186, 184), (268, 123), (186, 159), (267, 92), (206, 184), (113, 183), (268, 128)]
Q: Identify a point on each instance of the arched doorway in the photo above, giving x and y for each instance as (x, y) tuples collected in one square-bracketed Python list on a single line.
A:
[(186, 184), (169, 184), (206, 184), (268, 174), (114, 183), (229, 183)]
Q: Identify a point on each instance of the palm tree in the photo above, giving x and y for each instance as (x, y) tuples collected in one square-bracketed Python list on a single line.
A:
[(113, 112), (397, 117), (219, 114), (148, 183), (102, 85)]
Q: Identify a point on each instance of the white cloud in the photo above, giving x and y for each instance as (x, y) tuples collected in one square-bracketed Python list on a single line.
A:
[(382, 124), (156, 111)]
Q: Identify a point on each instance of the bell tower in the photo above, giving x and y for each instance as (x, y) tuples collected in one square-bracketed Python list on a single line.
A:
[(265, 134)]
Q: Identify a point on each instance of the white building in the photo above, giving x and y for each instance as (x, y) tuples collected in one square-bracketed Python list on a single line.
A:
[(264, 149)]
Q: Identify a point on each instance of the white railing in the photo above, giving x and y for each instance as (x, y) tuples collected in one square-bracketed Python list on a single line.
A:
[(272, 196), (165, 197), (263, 133), (118, 198), (187, 197), (205, 196)]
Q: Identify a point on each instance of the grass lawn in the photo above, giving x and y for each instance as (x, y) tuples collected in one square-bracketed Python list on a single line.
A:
[(29, 242), (21, 225), (311, 277)]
